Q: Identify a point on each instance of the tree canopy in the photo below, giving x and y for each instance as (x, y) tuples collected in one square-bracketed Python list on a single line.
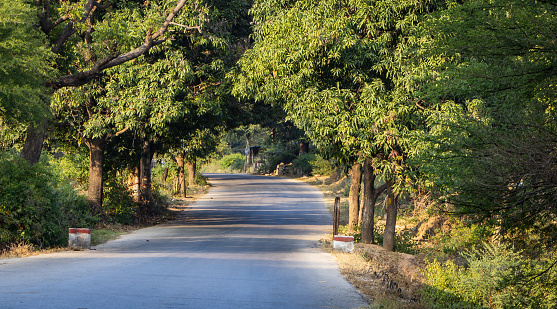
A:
[(489, 89), (25, 64)]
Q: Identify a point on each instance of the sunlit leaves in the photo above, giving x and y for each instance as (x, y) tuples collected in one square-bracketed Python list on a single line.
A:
[(24, 64)]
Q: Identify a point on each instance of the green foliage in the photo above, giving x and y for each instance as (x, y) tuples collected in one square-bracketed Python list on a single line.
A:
[(321, 166), (488, 87), (461, 237), (24, 66), (303, 164), (118, 202), (495, 277), (232, 162), (72, 167), (276, 154), (35, 207)]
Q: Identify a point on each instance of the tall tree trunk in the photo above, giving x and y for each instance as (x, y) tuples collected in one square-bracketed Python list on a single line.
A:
[(390, 225), (96, 159), (134, 182), (34, 141), (181, 175), (370, 198), (145, 172), (192, 169), (164, 175), (354, 196)]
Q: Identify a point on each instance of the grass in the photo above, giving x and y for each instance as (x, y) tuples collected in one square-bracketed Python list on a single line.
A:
[(99, 236)]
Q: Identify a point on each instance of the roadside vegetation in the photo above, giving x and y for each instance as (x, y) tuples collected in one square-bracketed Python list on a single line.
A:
[(433, 120)]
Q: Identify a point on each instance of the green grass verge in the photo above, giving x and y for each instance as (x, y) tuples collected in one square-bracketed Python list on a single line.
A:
[(103, 235)]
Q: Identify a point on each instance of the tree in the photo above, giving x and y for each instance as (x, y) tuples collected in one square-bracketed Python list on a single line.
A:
[(489, 90), (96, 37), (336, 68)]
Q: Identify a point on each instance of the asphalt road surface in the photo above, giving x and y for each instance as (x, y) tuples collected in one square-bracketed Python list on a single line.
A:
[(249, 243)]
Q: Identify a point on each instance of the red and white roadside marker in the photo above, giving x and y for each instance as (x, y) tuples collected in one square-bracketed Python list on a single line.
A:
[(343, 243), (79, 239)]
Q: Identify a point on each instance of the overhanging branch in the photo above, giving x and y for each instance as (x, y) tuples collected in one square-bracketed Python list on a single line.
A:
[(151, 40)]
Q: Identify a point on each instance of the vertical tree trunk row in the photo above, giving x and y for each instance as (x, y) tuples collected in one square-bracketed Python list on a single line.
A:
[(370, 196), (146, 194)]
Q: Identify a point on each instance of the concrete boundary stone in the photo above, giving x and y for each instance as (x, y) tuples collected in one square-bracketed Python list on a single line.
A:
[(79, 239), (343, 243)]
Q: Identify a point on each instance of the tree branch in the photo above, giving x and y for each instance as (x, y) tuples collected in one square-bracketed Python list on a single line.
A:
[(187, 27), (84, 77)]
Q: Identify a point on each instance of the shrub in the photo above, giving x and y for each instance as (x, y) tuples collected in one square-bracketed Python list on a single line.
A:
[(461, 237), (35, 206), (321, 166), (495, 277), (303, 164), (277, 154), (118, 202), (232, 162)]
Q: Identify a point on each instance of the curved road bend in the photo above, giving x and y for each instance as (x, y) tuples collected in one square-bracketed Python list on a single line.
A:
[(249, 243)]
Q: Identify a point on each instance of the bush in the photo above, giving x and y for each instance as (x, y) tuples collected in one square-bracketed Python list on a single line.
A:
[(303, 164), (495, 277), (321, 166), (461, 237), (118, 202), (232, 162), (35, 206), (277, 154)]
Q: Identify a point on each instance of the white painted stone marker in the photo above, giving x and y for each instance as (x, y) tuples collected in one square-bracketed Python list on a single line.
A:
[(343, 243), (79, 239)]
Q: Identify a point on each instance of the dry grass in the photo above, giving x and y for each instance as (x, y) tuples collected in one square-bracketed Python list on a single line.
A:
[(24, 250), (386, 279)]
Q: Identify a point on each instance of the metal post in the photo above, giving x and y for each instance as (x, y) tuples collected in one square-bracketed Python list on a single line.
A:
[(336, 216)]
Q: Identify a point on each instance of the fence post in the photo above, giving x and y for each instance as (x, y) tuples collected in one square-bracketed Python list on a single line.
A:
[(336, 216)]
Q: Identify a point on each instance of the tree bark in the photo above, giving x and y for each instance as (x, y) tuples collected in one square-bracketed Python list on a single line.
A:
[(390, 225), (96, 159), (165, 175), (135, 181), (192, 169), (34, 141), (181, 176), (354, 196), (146, 194), (370, 198)]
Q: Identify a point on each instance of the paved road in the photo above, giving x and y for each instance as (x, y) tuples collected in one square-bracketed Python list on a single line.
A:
[(249, 243)]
